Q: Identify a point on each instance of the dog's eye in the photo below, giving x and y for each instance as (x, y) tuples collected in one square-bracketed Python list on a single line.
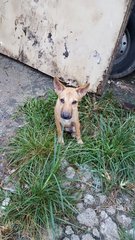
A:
[(74, 102), (62, 100)]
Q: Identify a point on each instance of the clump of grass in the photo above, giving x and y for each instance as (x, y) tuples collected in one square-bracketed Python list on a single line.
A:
[(124, 235), (108, 133), (109, 142), (36, 137), (40, 198)]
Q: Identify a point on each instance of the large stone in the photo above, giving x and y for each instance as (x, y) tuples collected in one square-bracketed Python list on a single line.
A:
[(87, 237), (70, 173), (103, 215), (97, 183), (80, 206), (102, 198), (69, 230), (111, 210), (75, 237), (109, 229), (88, 218), (124, 220), (96, 233), (85, 173), (89, 199)]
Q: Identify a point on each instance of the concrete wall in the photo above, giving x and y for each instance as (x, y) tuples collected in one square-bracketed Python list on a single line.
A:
[(74, 39)]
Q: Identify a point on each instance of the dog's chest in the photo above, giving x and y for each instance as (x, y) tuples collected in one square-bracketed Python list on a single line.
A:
[(65, 123), (68, 126)]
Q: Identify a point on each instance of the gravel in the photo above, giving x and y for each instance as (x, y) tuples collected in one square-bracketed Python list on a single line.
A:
[(88, 218)]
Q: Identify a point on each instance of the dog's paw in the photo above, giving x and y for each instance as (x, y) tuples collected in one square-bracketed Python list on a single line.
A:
[(73, 134), (61, 140), (79, 141)]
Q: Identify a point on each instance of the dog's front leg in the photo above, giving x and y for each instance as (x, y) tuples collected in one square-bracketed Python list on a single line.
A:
[(78, 132), (59, 131)]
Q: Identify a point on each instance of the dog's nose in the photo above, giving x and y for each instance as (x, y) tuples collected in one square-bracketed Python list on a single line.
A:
[(66, 115)]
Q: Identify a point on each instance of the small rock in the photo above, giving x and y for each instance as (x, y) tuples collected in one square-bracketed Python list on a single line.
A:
[(78, 185), (77, 195), (70, 173), (87, 237), (88, 218), (66, 184), (64, 164), (120, 208), (75, 237), (2, 169), (109, 229), (89, 199), (97, 183), (83, 187), (86, 178), (5, 202), (9, 187), (103, 215), (102, 198), (119, 204), (11, 171), (96, 233), (111, 210), (80, 207), (69, 230), (124, 220), (85, 173)]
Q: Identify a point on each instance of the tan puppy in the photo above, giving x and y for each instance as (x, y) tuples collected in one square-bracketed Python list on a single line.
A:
[(66, 109)]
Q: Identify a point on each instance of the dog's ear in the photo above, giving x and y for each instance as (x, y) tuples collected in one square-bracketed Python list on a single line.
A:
[(58, 86), (83, 90)]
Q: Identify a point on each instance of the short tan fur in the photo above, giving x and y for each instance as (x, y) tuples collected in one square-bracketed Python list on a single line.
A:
[(66, 109)]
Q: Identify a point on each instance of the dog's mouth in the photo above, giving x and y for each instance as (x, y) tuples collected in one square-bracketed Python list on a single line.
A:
[(66, 116)]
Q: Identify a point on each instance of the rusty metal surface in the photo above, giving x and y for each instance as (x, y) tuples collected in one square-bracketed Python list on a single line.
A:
[(70, 39)]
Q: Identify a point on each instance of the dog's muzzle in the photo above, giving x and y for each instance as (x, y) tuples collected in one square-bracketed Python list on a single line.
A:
[(66, 115)]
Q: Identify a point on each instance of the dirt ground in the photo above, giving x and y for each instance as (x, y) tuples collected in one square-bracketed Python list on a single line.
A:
[(18, 82)]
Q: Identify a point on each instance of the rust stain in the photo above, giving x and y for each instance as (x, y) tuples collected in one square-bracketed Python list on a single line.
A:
[(55, 68), (87, 79), (6, 52), (55, 26), (22, 56), (50, 38), (66, 53), (25, 29), (19, 20), (30, 35), (40, 53), (100, 88)]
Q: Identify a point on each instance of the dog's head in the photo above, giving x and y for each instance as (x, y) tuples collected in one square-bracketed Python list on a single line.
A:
[(68, 98)]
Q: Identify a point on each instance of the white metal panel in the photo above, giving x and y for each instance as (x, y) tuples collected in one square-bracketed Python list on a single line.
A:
[(70, 39)]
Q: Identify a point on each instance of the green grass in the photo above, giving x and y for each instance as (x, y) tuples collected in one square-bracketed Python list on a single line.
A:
[(40, 199), (109, 142), (124, 235)]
